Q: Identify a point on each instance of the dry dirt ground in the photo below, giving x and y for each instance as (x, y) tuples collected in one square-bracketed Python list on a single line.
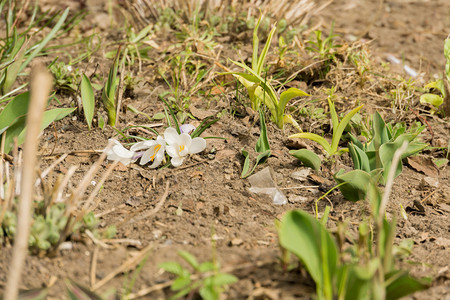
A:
[(207, 192)]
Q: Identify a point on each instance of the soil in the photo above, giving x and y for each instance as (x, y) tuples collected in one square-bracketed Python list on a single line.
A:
[(207, 200)]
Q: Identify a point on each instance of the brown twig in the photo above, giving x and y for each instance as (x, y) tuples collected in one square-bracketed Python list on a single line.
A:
[(124, 267), (41, 83), (94, 265)]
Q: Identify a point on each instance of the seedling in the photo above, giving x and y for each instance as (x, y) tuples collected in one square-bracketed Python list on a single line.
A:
[(208, 280), (369, 273), (13, 117), (260, 90), (262, 147), (16, 55), (338, 130), (109, 91)]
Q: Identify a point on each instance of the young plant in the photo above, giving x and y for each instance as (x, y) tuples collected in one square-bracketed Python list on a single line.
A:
[(110, 90), (370, 273), (13, 118), (208, 281), (338, 130), (260, 90), (55, 216), (386, 139), (88, 100), (16, 55), (262, 147)]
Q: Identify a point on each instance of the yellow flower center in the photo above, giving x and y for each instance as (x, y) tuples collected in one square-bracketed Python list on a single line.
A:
[(157, 147), (181, 148)]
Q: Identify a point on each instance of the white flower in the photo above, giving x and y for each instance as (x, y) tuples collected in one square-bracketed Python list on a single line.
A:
[(180, 145), (118, 152), (155, 152), (187, 128)]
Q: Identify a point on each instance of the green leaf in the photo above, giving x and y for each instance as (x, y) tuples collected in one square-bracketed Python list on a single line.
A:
[(172, 267), (41, 45), (18, 128), (209, 292), (246, 166), (16, 108), (309, 240), (262, 56), (438, 85), (88, 99), (402, 285), (307, 157), (180, 283), (261, 158), (314, 137), (221, 279), (432, 99), (285, 97), (12, 70), (334, 116), (158, 116), (206, 267), (337, 132), (356, 184), (189, 258), (262, 144)]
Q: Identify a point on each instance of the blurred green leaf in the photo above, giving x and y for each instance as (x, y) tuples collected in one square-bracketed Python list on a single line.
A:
[(307, 157), (88, 100)]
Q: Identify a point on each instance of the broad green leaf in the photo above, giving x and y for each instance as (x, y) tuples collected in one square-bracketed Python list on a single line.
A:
[(16, 108), (221, 279), (441, 162), (438, 85), (88, 100), (158, 116), (432, 99), (356, 184), (285, 97), (180, 283), (308, 239), (355, 157), (307, 157), (189, 258), (109, 91), (206, 267), (18, 128), (172, 267), (314, 137), (209, 292), (402, 285), (337, 133), (380, 132), (261, 158)]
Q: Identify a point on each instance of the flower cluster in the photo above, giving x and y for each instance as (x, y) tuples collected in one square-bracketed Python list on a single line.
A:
[(177, 146)]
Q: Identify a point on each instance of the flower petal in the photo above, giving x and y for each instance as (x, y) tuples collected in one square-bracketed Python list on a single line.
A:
[(198, 145), (171, 136), (177, 161), (171, 150), (157, 161), (143, 145), (187, 128)]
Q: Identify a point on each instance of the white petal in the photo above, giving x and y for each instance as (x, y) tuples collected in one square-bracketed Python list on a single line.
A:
[(187, 128), (146, 157), (171, 136), (177, 161), (157, 161), (185, 139), (142, 145), (171, 150), (198, 145), (122, 152)]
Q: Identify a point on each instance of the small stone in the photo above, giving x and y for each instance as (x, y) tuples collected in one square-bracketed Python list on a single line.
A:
[(297, 199), (301, 175), (236, 242), (430, 181)]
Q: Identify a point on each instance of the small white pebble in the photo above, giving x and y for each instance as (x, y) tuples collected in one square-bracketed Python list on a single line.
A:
[(93, 182)]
